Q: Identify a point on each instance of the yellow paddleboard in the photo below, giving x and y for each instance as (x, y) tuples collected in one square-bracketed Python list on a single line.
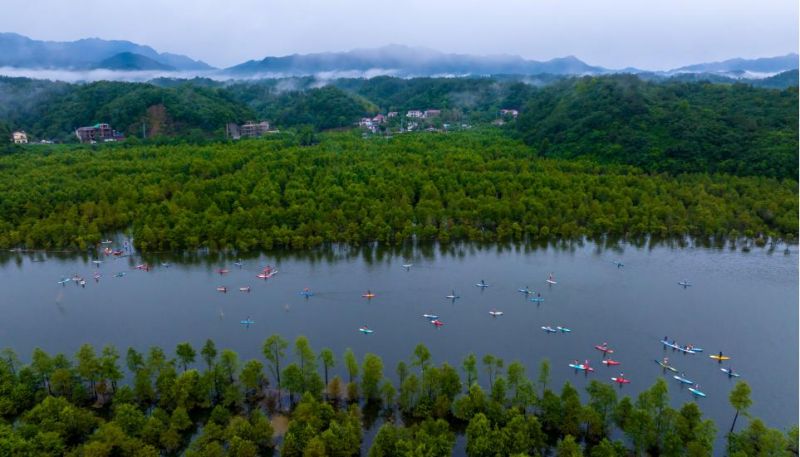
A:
[(716, 357)]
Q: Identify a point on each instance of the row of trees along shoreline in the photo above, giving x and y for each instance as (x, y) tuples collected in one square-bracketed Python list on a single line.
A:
[(211, 403)]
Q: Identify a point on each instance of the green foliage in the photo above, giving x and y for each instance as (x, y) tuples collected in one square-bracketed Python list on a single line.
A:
[(673, 127), (218, 412), (474, 186)]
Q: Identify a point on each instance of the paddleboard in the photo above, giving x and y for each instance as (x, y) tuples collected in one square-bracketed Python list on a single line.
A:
[(683, 380), (666, 367), (730, 373), (621, 380), (696, 392)]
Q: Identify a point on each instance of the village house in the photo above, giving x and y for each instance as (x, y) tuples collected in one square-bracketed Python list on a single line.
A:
[(509, 112), (97, 132), (365, 122), (429, 113), (19, 137), (415, 113), (378, 119), (251, 129), (392, 114)]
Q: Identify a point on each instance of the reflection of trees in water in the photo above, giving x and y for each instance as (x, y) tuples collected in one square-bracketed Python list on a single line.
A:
[(375, 254)]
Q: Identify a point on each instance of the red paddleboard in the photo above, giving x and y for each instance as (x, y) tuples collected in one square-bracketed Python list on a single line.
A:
[(605, 349), (621, 380), (610, 362)]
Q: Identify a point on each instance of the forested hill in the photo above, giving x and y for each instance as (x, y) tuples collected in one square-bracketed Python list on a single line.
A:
[(672, 127)]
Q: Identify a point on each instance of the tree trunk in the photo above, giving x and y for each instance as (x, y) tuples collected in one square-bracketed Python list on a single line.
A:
[(734, 421)]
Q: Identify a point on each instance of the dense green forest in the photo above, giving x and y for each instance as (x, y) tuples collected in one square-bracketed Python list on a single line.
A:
[(207, 402), (672, 127), (269, 193), (662, 125)]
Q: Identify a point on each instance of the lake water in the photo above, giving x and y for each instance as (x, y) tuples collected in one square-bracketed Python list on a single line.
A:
[(744, 304)]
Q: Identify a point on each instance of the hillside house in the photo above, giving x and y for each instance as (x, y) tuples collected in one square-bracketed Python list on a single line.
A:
[(509, 112), (19, 137), (365, 122), (415, 113), (392, 114), (252, 129), (97, 132), (429, 113), (378, 119), (249, 129)]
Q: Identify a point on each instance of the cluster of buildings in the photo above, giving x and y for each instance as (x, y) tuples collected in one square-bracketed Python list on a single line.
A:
[(427, 114), (249, 129), (98, 132), (372, 123)]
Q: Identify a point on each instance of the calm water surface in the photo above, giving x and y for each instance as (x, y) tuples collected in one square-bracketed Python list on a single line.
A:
[(744, 304)]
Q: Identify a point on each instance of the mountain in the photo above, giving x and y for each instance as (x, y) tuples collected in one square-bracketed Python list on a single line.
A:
[(769, 65), (129, 61), (407, 61), (23, 52)]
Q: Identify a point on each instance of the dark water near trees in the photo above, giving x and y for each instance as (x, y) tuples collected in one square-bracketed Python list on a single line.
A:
[(744, 304)]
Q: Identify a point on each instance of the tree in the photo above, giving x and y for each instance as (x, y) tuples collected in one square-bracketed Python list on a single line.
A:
[(109, 368), (252, 377), (229, 363), (421, 358), (209, 353), (740, 400), (328, 361), (470, 367), (88, 365), (42, 365), (481, 437), (544, 374), (274, 350), (568, 448), (372, 369), (308, 365), (185, 353), (134, 360), (352, 365), (402, 371), (10, 358)]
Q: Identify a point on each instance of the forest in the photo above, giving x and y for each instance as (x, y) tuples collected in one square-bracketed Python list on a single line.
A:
[(203, 402), (478, 186), (674, 125)]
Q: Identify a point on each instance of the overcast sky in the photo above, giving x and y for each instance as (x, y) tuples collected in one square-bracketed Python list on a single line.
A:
[(642, 33)]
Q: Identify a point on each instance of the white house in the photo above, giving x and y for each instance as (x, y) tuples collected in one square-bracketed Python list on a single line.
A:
[(19, 137)]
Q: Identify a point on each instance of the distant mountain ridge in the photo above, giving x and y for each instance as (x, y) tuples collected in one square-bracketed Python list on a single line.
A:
[(23, 52), (400, 60), (20, 52), (128, 61), (771, 65)]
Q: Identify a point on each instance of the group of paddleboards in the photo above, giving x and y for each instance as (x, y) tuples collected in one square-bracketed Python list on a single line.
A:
[(453, 296), (691, 349), (586, 368)]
